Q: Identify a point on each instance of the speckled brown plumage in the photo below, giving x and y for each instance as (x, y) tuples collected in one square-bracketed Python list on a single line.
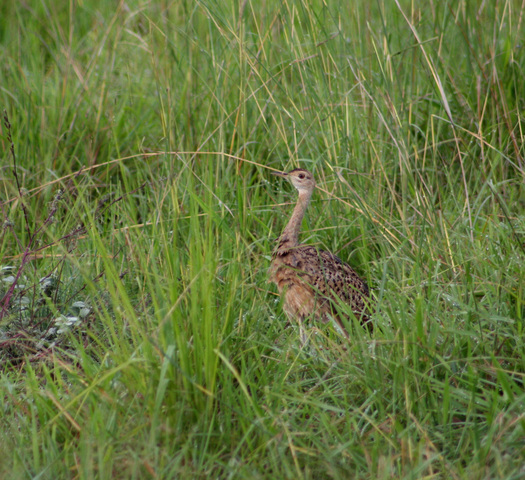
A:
[(312, 281)]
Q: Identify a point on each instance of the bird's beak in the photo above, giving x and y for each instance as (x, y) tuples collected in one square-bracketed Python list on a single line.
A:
[(280, 174)]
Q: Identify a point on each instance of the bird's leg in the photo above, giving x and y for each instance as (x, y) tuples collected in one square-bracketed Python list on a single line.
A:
[(302, 334)]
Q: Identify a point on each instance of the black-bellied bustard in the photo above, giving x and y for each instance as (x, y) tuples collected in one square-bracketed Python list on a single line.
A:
[(312, 281)]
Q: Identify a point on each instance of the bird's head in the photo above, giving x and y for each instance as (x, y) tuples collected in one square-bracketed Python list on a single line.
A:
[(301, 179)]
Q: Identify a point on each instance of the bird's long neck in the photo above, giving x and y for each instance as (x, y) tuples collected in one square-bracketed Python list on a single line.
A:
[(290, 236)]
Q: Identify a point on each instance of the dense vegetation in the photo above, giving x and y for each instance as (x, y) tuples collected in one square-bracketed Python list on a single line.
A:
[(139, 337)]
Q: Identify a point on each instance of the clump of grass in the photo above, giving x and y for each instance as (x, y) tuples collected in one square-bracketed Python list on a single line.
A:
[(43, 294)]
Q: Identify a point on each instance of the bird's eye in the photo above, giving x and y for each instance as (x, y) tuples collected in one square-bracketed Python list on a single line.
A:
[(301, 176)]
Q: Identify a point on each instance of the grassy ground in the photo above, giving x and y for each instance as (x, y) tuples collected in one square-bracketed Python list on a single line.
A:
[(139, 337)]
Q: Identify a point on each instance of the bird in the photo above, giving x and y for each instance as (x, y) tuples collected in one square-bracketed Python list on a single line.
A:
[(313, 282)]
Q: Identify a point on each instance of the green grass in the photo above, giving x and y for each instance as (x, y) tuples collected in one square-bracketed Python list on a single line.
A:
[(143, 137)]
